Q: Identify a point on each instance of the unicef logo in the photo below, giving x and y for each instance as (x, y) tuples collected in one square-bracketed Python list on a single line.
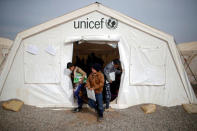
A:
[(111, 23)]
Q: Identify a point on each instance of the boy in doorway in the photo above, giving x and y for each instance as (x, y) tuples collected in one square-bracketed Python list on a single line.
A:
[(79, 77), (95, 82), (110, 71)]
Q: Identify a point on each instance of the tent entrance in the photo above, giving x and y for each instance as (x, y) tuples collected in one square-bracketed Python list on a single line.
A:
[(87, 53)]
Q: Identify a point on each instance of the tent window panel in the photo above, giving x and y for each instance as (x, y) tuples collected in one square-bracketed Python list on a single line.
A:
[(147, 65), (42, 67)]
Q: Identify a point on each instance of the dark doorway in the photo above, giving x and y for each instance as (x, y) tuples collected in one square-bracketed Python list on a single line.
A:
[(87, 53)]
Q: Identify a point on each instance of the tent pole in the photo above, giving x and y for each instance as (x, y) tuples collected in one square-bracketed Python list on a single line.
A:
[(190, 60)]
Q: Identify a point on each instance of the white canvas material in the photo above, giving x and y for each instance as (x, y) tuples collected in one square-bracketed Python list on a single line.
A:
[(152, 68)]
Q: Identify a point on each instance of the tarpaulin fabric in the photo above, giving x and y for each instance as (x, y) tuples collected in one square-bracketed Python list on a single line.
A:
[(152, 68)]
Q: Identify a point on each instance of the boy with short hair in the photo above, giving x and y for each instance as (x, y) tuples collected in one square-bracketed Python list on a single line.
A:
[(95, 82), (79, 78), (110, 71)]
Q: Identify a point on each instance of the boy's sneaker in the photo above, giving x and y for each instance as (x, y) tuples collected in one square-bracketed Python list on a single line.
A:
[(76, 110)]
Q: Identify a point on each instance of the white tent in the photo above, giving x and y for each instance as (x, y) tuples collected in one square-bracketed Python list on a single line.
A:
[(152, 69), (5, 45), (189, 58)]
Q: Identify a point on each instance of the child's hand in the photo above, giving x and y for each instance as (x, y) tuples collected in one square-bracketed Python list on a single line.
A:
[(89, 88)]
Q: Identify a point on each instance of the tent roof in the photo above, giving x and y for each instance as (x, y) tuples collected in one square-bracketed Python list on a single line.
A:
[(95, 7), (188, 48), (4, 42)]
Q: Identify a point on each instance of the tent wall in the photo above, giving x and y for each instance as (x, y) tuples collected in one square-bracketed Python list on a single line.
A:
[(188, 53), (193, 66), (5, 45), (190, 67), (42, 92), (167, 94)]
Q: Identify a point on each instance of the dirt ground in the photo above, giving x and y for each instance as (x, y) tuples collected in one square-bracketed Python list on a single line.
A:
[(31, 118)]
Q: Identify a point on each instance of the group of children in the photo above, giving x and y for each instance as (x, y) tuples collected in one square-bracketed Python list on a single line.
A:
[(95, 81)]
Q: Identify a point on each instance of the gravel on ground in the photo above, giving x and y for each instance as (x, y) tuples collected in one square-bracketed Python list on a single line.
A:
[(31, 118)]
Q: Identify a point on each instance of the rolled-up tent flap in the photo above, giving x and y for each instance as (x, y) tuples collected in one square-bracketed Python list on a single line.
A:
[(93, 38), (101, 38), (73, 39)]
